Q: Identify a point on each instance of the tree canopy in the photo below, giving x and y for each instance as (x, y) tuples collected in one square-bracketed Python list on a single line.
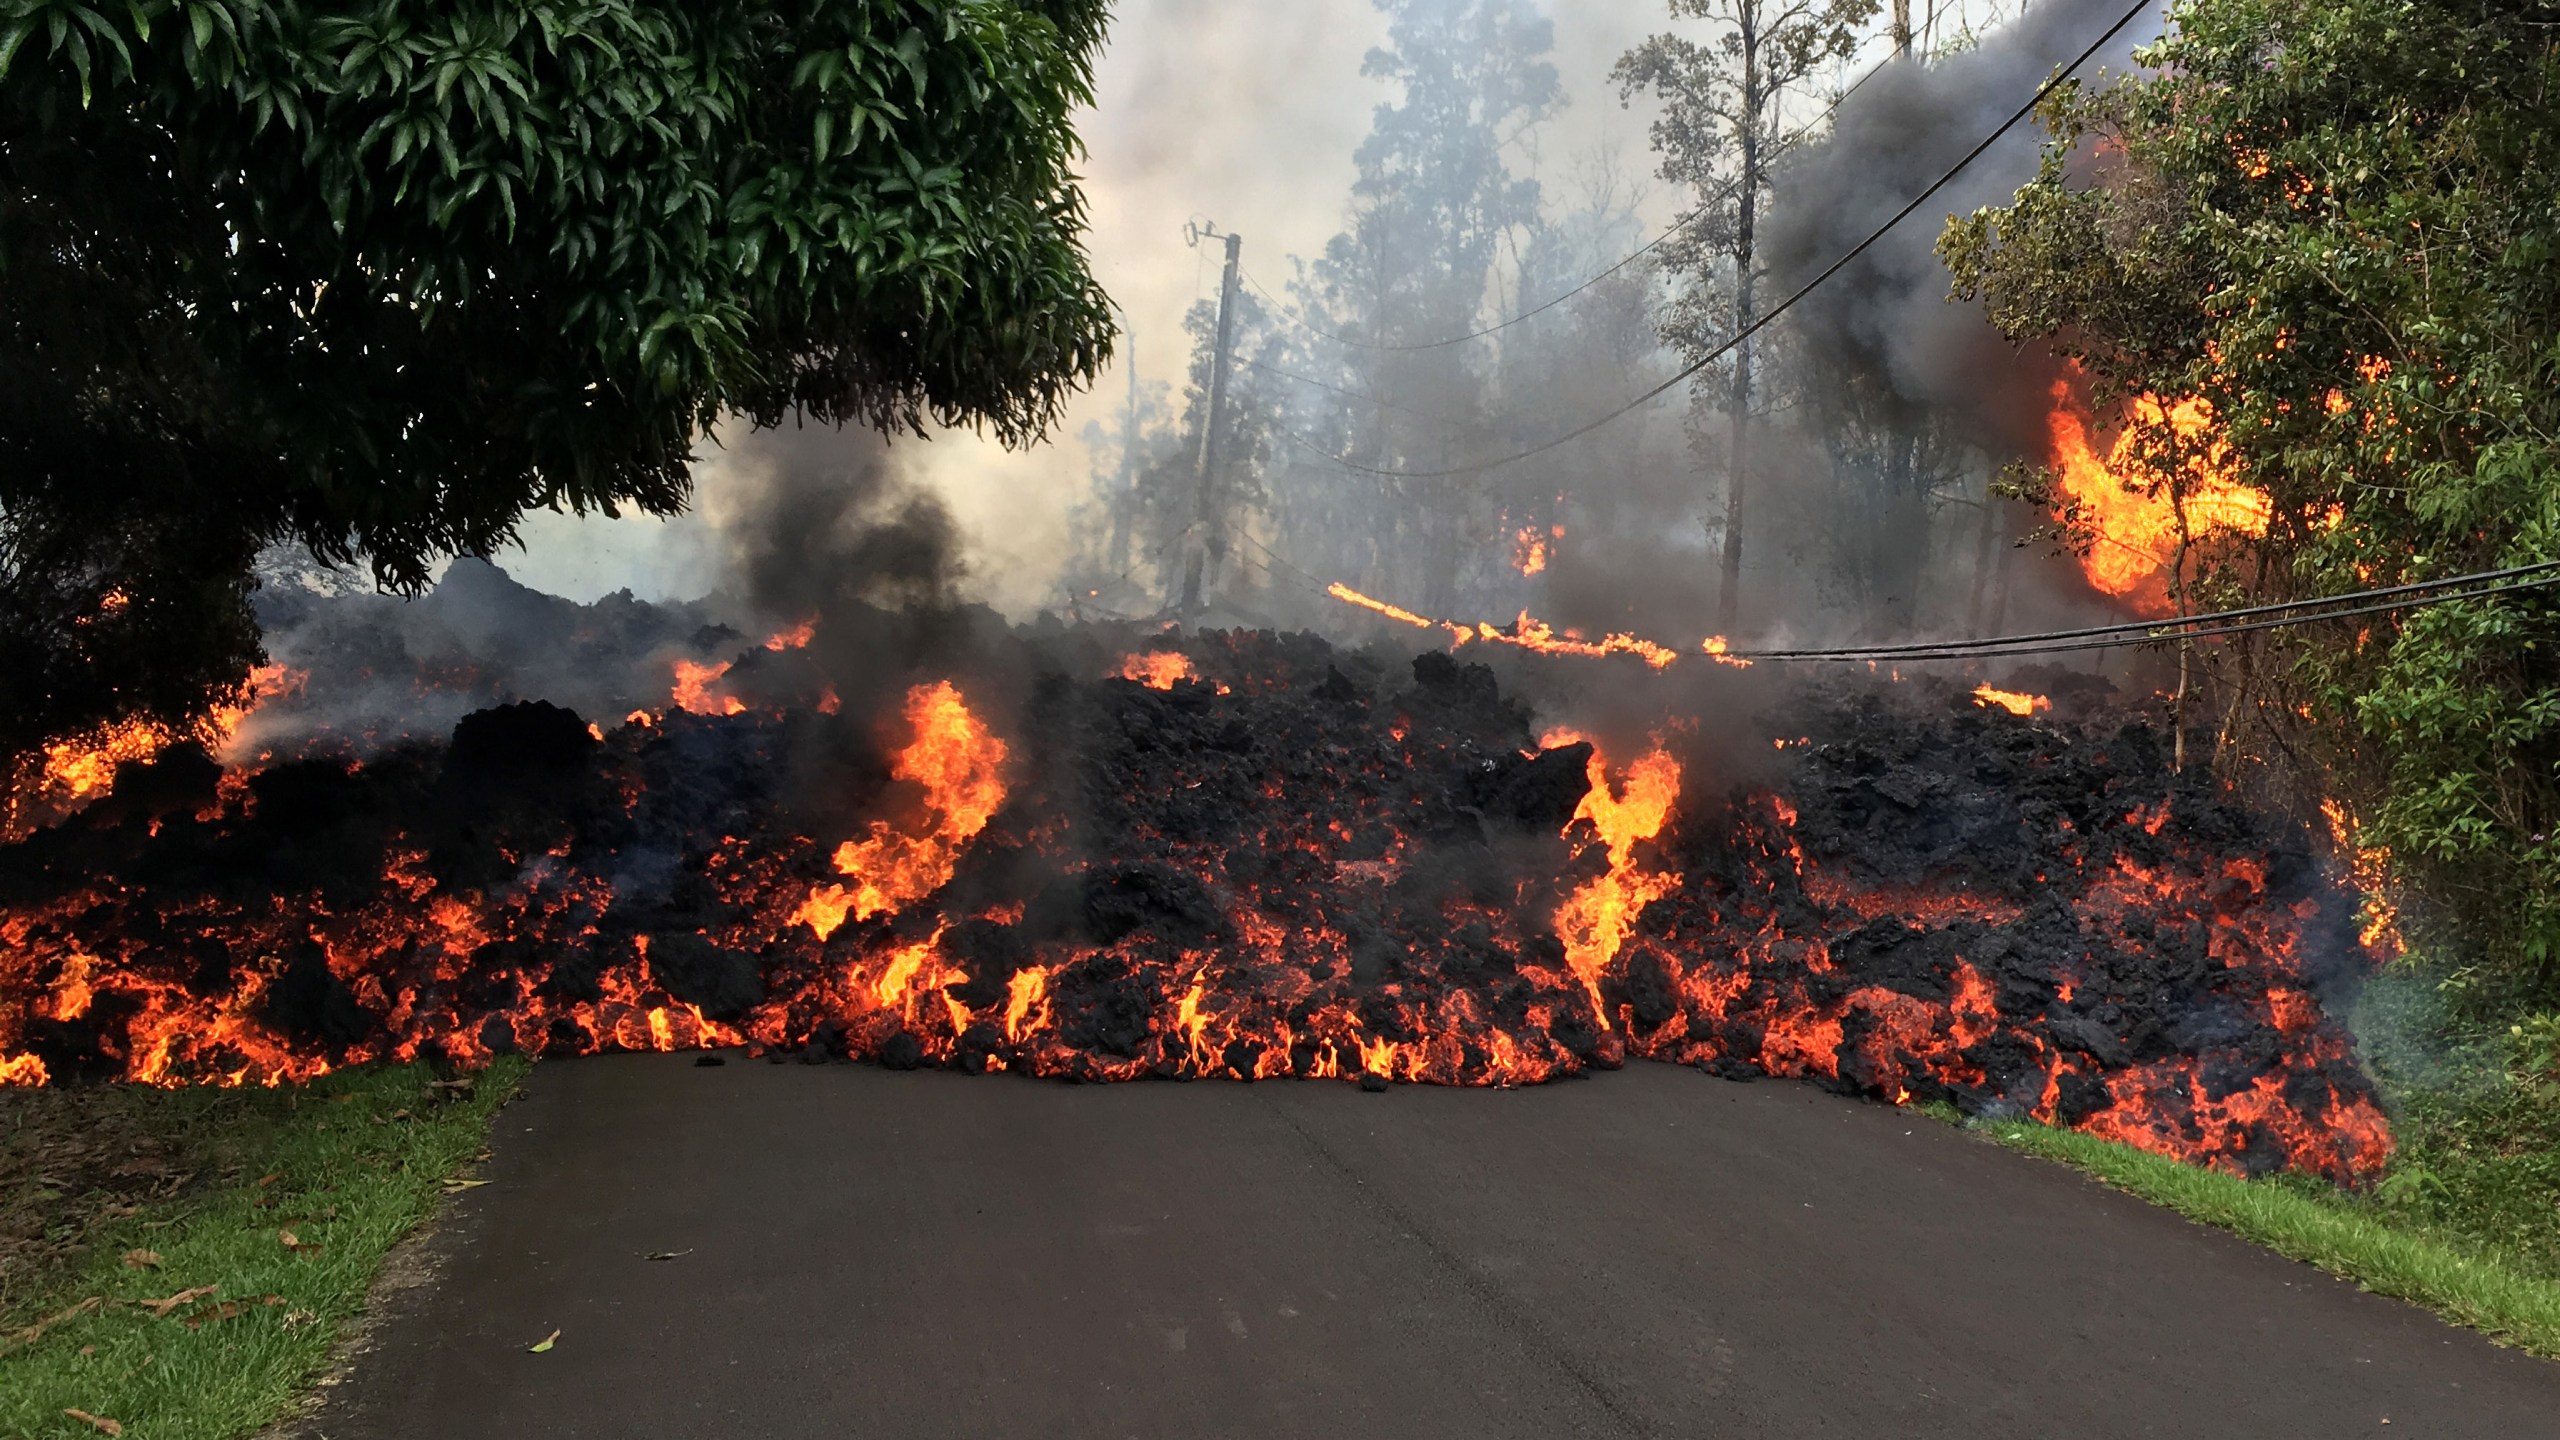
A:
[(2335, 221), (381, 277)]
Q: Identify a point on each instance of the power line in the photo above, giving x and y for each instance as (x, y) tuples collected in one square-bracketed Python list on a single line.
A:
[(2479, 585), (2162, 636), (1352, 394), (2148, 630), (1782, 307), (1656, 243), (2161, 631)]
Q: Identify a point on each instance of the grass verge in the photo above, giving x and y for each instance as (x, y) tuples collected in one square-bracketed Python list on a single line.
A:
[(199, 1310), (2345, 1235)]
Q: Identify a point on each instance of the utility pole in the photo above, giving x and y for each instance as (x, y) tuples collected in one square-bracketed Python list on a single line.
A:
[(1208, 541)]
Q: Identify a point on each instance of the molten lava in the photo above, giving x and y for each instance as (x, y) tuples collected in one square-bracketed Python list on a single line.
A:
[(1330, 872), (77, 771), (693, 690), (1597, 918), (2016, 702), (1157, 670), (2136, 524)]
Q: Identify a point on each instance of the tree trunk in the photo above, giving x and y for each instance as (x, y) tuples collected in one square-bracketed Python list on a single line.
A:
[(1738, 399)]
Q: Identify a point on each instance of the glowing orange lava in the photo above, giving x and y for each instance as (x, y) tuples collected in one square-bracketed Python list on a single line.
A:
[(79, 770), (1596, 919), (2016, 702), (1158, 670), (692, 692)]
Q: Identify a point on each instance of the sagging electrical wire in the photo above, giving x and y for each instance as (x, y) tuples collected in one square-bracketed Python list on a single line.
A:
[(2138, 632)]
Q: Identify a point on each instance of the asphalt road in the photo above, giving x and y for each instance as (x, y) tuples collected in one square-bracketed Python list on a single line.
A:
[(1647, 1253)]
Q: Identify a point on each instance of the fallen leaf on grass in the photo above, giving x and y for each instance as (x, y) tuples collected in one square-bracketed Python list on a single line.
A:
[(545, 1343), (667, 1254), (160, 1308), (269, 1178), (295, 1242), (99, 1423), (213, 1314), (227, 1310), (142, 1259), (33, 1332)]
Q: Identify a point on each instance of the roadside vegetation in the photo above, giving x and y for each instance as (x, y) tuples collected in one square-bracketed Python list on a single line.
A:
[(2466, 1221), (178, 1264), (2332, 221)]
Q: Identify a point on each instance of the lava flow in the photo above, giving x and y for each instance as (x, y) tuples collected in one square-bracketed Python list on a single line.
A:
[(1276, 859)]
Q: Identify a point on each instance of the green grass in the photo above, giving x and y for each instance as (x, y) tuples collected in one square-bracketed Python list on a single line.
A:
[(349, 1165)]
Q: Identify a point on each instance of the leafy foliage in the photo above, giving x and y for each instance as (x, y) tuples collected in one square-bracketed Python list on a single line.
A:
[(381, 277), (2335, 220)]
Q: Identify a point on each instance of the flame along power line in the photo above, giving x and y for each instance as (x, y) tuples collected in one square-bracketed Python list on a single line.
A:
[(1767, 316), (2414, 595), (2145, 628), (1656, 243)]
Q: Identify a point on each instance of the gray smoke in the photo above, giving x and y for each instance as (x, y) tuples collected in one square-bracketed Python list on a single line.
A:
[(817, 520), (1887, 313)]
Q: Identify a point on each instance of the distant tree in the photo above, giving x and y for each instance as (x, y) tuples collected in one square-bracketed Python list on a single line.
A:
[(379, 278), (1435, 200), (1719, 137)]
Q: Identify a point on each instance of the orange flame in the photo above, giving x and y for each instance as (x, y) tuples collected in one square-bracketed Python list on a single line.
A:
[(960, 765), (1157, 671), (1340, 591), (83, 768), (693, 690), (2016, 702), (1529, 548), (2369, 867), (2137, 528), (795, 638), (1528, 632), (1598, 917)]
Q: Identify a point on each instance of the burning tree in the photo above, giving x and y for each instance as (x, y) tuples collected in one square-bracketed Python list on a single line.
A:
[(2318, 235), (380, 282)]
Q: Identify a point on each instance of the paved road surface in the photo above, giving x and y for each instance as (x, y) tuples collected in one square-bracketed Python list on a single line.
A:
[(1646, 1253)]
